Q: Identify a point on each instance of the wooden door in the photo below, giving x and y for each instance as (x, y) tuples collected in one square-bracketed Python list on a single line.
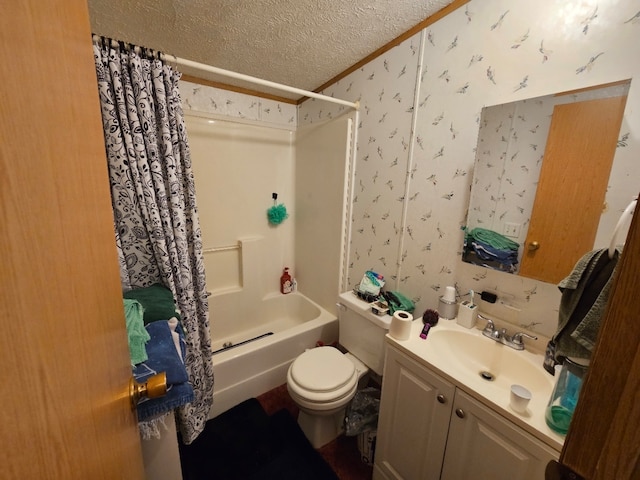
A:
[(65, 365), (571, 190), (602, 442)]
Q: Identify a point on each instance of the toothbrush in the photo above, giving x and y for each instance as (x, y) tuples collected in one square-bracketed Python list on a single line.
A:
[(472, 294)]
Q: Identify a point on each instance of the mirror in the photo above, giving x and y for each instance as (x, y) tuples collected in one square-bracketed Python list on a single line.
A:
[(542, 171)]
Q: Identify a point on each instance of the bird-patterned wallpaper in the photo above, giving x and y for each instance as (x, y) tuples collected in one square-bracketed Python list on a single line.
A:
[(420, 114), (421, 105)]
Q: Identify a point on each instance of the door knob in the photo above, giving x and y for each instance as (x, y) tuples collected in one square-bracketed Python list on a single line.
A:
[(155, 386), (534, 246)]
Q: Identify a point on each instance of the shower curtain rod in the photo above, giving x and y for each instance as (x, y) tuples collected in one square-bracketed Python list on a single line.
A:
[(247, 78)]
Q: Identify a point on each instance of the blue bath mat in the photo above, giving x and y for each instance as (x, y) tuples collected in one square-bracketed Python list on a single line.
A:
[(244, 443)]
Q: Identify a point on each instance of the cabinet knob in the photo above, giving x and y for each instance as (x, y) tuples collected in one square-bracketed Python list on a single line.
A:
[(533, 246), (460, 413), (441, 398)]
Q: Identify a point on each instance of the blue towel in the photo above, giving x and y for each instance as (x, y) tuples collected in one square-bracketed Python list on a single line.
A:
[(164, 357), (177, 395), (491, 257)]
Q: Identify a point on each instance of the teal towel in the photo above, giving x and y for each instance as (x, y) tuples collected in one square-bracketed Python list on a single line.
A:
[(136, 333), (493, 239)]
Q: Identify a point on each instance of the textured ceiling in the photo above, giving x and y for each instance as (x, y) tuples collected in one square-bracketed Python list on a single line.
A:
[(301, 43)]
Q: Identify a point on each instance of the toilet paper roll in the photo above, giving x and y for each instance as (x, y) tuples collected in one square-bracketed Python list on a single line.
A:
[(400, 327)]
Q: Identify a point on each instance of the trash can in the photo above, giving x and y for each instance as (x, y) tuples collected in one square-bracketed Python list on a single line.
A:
[(367, 446), (361, 420)]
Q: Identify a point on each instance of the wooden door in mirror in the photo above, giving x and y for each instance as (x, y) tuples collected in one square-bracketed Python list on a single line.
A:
[(571, 190)]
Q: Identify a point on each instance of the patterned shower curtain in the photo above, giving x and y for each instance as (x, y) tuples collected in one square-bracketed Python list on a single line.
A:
[(153, 196)]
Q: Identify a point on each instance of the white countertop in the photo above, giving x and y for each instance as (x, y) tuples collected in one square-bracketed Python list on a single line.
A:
[(492, 394)]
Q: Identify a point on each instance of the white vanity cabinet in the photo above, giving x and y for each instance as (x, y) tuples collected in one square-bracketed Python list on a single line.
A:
[(429, 429), (482, 444), (416, 405)]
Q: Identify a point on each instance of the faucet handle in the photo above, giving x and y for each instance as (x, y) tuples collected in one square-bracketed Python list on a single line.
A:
[(490, 326), (517, 337)]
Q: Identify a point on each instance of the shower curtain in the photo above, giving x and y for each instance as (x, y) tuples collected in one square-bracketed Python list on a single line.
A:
[(153, 197)]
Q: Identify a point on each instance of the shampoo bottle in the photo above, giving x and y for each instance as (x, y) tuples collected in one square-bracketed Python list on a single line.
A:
[(286, 284)]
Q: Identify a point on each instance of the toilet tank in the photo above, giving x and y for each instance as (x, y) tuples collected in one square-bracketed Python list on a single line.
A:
[(361, 331)]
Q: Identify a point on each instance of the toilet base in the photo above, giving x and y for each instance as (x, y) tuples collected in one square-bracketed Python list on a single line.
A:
[(321, 429)]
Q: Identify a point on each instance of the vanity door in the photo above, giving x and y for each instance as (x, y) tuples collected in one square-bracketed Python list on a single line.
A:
[(482, 444), (414, 420)]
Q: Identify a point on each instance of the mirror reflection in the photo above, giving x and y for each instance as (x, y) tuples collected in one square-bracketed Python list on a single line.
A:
[(540, 182)]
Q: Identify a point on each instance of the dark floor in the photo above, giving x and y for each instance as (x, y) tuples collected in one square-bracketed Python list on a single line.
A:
[(342, 454)]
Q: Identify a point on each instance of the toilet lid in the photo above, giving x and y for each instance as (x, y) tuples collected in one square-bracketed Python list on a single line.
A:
[(322, 369)]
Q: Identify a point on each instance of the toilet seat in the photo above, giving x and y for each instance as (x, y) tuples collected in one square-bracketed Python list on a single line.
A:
[(322, 375)]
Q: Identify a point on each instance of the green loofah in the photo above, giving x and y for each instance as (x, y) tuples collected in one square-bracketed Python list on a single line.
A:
[(277, 214)]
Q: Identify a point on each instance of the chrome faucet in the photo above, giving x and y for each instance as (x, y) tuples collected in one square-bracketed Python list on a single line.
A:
[(501, 336)]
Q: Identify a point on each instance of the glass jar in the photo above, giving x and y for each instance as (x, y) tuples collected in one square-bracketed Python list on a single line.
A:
[(564, 397)]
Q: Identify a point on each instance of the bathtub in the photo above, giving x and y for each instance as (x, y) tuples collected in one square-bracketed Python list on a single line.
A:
[(259, 357)]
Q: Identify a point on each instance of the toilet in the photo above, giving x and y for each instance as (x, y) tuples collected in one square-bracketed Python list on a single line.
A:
[(322, 380)]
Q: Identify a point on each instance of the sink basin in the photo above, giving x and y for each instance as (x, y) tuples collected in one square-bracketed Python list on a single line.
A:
[(485, 361)]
